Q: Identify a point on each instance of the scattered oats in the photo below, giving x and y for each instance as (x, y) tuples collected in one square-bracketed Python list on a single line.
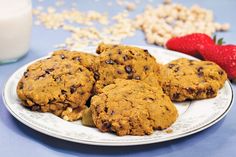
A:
[(158, 23), (51, 10), (167, 1), (130, 6), (172, 19), (35, 11)]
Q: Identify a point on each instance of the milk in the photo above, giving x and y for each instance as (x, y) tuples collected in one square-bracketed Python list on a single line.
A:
[(15, 29)]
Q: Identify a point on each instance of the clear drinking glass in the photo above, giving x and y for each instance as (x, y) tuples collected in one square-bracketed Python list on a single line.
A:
[(15, 29)]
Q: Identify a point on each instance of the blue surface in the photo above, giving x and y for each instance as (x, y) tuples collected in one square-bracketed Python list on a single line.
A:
[(16, 139)]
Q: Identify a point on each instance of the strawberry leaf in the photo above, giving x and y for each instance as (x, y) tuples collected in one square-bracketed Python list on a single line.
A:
[(220, 41), (214, 38)]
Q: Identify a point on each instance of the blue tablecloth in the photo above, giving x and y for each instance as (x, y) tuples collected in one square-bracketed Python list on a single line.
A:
[(16, 139)]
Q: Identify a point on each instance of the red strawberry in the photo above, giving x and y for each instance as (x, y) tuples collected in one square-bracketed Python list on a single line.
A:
[(189, 44), (223, 55)]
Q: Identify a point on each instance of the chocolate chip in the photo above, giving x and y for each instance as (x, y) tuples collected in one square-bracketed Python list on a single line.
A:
[(146, 68), (131, 52), (190, 90), (119, 72), (119, 52), (80, 69), (62, 56), (98, 51), (176, 96), (112, 112), (125, 58), (77, 58), (170, 66), (210, 92), (41, 76), (20, 85), (199, 92), (57, 79), (73, 89), (221, 72), (52, 100), (106, 109), (63, 92), (212, 77), (96, 75), (199, 69), (35, 108), (146, 51), (148, 99), (167, 109), (128, 69), (176, 69), (137, 78), (106, 125), (109, 61), (26, 74), (200, 72), (114, 46), (47, 71)]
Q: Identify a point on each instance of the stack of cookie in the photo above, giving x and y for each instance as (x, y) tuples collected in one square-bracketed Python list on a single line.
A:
[(122, 90)]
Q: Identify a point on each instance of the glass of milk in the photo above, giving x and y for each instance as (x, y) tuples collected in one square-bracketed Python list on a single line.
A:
[(15, 29)]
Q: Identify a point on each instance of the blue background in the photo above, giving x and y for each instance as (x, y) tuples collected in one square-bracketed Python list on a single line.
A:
[(16, 139)]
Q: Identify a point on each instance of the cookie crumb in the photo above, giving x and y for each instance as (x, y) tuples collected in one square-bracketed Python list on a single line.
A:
[(169, 131)]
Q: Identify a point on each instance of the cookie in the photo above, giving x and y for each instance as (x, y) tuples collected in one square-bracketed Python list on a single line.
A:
[(125, 62), (85, 59), (55, 85), (184, 79), (132, 107), (87, 119)]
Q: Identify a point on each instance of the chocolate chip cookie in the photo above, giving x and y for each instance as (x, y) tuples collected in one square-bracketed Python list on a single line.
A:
[(56, 85), (184, 79), (132, 107), (125, 62), (85, 59)]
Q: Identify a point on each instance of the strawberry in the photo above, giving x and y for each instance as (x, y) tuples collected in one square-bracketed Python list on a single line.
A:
[(223, 55), (189, 44)]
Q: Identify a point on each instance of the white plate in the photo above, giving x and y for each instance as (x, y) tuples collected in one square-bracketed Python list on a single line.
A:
[(194, 116)]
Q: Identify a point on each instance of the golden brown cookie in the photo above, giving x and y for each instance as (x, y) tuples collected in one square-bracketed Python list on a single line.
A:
[(56, 85), (87, 119), (184, 79), (125, 62), (132, 107), (85, 59)]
